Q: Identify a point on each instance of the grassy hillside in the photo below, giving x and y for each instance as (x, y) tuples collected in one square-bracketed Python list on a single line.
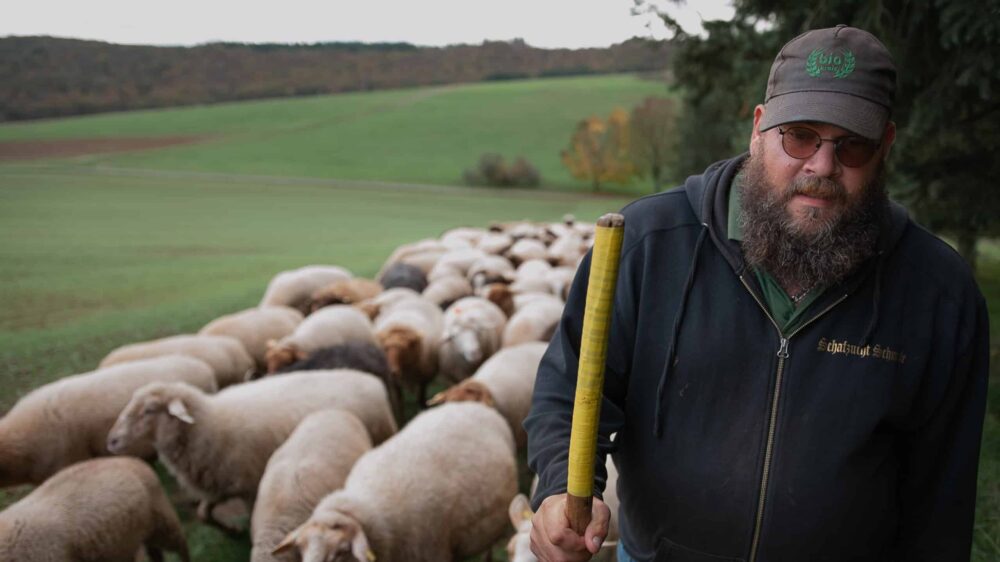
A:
[(427, 135)]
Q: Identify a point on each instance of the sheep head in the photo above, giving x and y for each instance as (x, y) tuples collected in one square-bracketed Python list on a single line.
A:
[(338, 539), (279, 356), (519, 547), (136, 426), (465, 391), (402, 348)]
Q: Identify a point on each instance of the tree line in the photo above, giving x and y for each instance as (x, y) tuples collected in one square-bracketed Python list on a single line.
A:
[(50, 77)]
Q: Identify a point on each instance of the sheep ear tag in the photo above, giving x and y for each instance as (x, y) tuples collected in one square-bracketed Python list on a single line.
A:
[(360, 548), (177, 409)]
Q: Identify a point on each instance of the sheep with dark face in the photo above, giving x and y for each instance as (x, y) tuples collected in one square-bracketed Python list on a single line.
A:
[(436, 492), (101, 509), (505, 382), (328, 326), (218, 446)]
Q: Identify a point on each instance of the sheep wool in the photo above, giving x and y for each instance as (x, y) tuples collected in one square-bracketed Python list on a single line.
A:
[(473, 328), (295, 287), (328, 326), (312, 463), (254, 327), (225, 355), (101, 509), (436, 492), (67, 421)]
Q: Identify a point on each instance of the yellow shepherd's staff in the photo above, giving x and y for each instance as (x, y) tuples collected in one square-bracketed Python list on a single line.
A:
[(590, 376)]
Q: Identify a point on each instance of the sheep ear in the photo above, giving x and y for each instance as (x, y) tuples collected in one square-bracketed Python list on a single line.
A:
[(177, 409), (287, 543), (438, 398), (360, 548), (519, 510)]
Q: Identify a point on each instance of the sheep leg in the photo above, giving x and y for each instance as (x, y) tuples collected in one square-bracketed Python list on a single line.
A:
[(167, 532), (396, 402)]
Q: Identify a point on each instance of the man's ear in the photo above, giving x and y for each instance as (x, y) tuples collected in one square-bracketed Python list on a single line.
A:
[(758, 116), (888, 138)]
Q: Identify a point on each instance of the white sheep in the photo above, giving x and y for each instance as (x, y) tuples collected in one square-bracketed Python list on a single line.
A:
[(330, 325), (67, 421), (567, 249), (533, 323), (519, 546), (295, 287), (490, 269), (217, 446), (526, 249), (447, 290), (313, 462), (385, 300), (422, 253), (462, 236), (473, 331), (436, 492), (102, 509), (410, 332), (505, 381), (254, 327), (347, 291), (455, 262), (495, 243), (224, 354)]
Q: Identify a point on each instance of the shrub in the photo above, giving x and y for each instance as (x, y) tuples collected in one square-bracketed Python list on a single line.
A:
[(493, 171)]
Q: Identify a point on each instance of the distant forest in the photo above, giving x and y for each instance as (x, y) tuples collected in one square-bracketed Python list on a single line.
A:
[(52, 77)]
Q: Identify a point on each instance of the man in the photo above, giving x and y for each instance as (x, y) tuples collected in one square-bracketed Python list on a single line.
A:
[(796, 371)]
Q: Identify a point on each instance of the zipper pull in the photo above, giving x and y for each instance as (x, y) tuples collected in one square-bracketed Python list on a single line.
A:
[(783, 350)]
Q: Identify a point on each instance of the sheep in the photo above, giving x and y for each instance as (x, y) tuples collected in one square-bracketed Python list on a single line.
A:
[(490, 269), (567, 249), (473, 328), (404, 275), (294, 287), (348, 291), (495, 243), (447, 290), (410, 333), (254, 327), (422, 253), (525, 300), (66, 421), (533, 323), (519, 547), (217, 446), (226, 355), (526, 249), (101, 509), (462, 236), (500, 295), (358, 355), (455, 262), (386, 299), (313, 462), (328, 326), (505, 382), (560, 279), (436, 492)]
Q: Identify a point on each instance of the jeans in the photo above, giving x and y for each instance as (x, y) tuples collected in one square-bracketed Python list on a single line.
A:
[(622, 555)]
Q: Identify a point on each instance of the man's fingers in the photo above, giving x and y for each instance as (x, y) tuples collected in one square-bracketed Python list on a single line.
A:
[(597, 530)]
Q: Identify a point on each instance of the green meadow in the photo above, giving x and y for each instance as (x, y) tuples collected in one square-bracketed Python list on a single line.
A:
[(100, 250)]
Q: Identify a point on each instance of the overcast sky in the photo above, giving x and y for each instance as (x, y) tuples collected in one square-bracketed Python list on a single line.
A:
[(542, 23)]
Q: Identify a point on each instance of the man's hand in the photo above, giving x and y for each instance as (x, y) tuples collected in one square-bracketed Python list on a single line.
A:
[(552, 540)]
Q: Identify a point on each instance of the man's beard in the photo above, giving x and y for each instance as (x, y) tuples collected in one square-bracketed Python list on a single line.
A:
[(807, 250)]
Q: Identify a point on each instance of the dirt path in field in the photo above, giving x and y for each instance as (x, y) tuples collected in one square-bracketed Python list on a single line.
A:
[(65, 148)]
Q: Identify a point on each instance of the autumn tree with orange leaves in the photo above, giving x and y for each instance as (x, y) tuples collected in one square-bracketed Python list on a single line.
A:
[(599, 150)]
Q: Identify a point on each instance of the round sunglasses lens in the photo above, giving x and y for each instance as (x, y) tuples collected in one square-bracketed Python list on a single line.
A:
[(855, 152), (799, 143)]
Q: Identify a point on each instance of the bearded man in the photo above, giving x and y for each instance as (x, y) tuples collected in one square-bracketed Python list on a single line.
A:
[(796, 371)]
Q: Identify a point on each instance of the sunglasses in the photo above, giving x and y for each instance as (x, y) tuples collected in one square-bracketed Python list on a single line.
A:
[(852, 151)]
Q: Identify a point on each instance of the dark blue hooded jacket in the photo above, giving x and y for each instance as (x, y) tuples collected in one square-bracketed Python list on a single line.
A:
[(856, 437)]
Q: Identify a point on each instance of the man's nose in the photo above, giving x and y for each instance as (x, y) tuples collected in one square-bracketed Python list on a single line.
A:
[(824, 163)]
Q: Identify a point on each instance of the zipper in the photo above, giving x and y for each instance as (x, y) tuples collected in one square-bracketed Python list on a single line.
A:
[(773, 420)]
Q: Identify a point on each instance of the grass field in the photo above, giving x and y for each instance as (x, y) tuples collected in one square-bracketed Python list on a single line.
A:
[(102, 250)]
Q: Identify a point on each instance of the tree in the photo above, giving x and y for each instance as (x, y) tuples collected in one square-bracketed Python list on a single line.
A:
[(653, 138), (599, 150), (948, 121)]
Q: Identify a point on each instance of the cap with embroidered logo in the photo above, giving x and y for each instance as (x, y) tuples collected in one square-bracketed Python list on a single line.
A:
[(841, 75)]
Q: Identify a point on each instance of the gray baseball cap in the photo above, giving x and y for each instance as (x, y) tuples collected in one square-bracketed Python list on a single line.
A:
[(841, 75)]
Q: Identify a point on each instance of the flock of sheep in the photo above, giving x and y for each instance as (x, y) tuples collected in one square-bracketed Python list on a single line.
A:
[(295, 407)]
